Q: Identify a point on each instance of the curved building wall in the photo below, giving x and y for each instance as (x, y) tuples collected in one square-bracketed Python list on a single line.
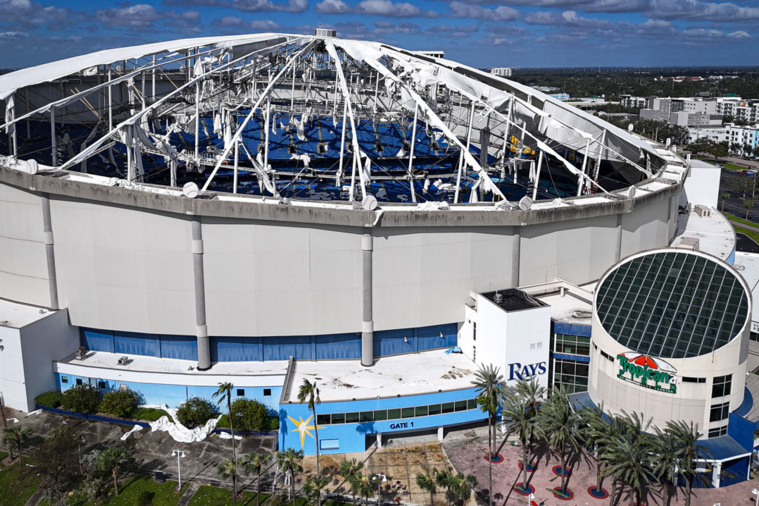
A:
[(124, 258)]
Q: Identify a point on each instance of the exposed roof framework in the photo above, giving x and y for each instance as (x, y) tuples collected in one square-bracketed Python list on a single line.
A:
[(311, 117)]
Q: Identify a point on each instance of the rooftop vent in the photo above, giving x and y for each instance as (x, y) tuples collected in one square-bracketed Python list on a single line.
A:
[(325, 32), (81, 353), (498, 299), (123, 360)]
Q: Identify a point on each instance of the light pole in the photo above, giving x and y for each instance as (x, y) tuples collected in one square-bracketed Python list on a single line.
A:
[(756, 493), (179, 454), (379, 486)]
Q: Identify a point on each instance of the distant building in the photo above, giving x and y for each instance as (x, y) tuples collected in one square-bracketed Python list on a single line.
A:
[(563, 97), (501, 71), (630, 101), (431, 54)]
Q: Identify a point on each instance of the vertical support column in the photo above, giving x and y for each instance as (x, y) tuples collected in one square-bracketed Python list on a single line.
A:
[(47, 226), (379, 440), (153, 72), (53, 140), (440, 433), (197, 123), (618, 248), (110, 101), (537, 175), (516, 251), (716, 471), (201, 330), (411, 155), (367, 324)]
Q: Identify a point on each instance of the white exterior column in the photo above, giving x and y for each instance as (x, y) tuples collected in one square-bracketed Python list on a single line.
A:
[(367, 323), (201, 330)]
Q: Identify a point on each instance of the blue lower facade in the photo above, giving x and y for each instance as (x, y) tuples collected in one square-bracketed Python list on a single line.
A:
[(259, 349), (339, 433)]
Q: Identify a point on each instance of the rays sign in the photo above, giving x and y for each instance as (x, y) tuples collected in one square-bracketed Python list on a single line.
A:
[(303, 428), (648, 372)]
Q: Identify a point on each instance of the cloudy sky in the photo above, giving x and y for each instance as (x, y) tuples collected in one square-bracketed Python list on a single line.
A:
[(525, 33)]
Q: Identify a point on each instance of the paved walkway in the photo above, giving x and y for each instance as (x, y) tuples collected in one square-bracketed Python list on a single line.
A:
[(188, 494)]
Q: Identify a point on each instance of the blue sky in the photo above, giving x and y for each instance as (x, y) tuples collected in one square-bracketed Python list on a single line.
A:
[(483, 33)]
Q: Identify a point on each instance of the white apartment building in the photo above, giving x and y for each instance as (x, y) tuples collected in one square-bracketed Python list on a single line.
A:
[(501, 71)]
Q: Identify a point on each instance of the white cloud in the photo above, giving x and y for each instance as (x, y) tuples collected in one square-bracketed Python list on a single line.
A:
[(332, 7), (466, 10), (385, 8), (270, 6), (140, 16)]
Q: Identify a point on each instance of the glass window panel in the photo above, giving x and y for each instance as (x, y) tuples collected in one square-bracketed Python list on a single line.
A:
[(351, 417), (338, 418), (435, 409), (448, 407), (407, 412), (393, 414), (421, 411), (460, 405), (380, 415), (366, 416)]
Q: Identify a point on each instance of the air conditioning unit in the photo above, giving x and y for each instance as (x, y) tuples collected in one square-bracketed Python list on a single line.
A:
[(123, 360), (81, 353)]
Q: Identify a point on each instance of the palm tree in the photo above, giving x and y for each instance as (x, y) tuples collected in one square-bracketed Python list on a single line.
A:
[(313, 488), (462, 486), (289, 462), (113, 460), (490, 391), (559, 427), (595, 430), (15, 439), (426, 481), (748, 204), (225, 392), (364, 485), (724, 196), (687, 451), (665, 466), (630, 459), (253, 463), (308, 392), (350, 470), (228, 471), (521, 408), (445, 479)]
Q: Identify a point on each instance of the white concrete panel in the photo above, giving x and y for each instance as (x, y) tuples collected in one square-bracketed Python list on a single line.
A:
[(578, 254), (23, 264), (271, 279), (646, 228), (423, 277), (124, 269)]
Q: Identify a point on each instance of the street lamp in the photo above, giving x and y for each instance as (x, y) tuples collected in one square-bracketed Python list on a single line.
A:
[(379, 486), (179, 454), (756, 493)]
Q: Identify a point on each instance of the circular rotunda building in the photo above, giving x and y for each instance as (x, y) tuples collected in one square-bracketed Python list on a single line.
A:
[(670, 339)]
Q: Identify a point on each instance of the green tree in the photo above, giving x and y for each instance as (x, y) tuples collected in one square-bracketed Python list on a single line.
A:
[(462, 486), (748, 204), (559, 428), (596, 431), (57, 464), (114, 461), (224, 392), (724, 196), (629, 459), (444, 479), (490, 391), (289, 462), (364, 485), (120, 403), (313, 488), (309, 392), (254, 463), (521, 408), (195, 411), (228, 471), (684, 439), (15, 439), (84, 399), (349, 469), (426, 481), (249, 415)]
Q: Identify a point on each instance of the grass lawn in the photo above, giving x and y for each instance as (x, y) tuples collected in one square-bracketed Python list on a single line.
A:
[(15, 489), (732, 166), (750, 233), (215, 496), (130, 492), (738, 219)]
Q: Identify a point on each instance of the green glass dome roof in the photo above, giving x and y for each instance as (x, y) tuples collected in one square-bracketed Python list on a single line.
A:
[(672, 304)]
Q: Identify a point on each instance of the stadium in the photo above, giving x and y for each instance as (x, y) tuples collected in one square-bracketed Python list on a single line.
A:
[(261, 209)]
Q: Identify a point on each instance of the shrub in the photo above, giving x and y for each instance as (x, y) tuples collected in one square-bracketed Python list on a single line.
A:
[(148, 414), (249, 415), (49, 399), (195, 411), (83, 398), (120, 403)]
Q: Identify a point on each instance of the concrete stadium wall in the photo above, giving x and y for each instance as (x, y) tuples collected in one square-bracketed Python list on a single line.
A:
[(124, 258)]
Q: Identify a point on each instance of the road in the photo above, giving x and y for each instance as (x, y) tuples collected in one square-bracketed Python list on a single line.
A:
[(734, 204)]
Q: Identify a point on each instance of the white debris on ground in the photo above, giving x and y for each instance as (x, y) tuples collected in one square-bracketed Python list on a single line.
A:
[(136, 428), (179, 432), (227, 435), (35, 412)]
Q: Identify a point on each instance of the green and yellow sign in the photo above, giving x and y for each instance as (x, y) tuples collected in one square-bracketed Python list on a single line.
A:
[(647, 372)]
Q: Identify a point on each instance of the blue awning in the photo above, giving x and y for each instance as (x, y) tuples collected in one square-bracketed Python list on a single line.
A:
[(723, 448)]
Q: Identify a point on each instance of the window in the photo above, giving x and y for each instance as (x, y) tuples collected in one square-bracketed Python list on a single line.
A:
[(329, 444), (448, 407), (407, 412), (240, 392), (78, 381), (572, 345), (267, 392), (394, 414), (719, 412), (435, 409), (719, 431), (420, 411), (474, 331), (351, 417), (687, 379), (460, 405), (722, 386), (366, 416), (322, 419), (607, 356), (471, 404), (338, 418), (380, 416), (101, 384), (571, 375), (64, 379)]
